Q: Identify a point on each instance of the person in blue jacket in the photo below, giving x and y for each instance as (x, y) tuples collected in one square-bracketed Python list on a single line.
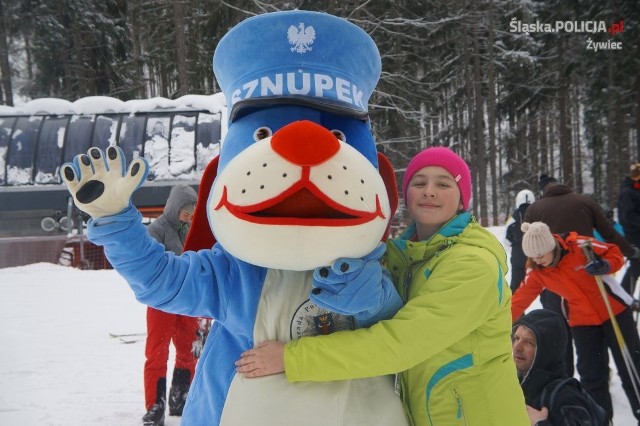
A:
[(629, 217), (298, 185)]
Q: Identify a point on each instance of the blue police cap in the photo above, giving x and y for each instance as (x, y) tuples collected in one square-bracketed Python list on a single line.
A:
[(300, 58)]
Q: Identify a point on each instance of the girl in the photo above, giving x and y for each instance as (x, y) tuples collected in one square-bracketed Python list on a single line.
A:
[(451, 340)]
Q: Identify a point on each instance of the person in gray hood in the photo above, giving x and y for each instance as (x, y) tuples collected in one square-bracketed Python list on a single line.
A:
[(170, 229)]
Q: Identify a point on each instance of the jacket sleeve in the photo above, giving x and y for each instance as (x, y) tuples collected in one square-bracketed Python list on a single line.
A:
[(629, 210), (530, 288), (462, 294), (508, 236), (155, 233), (194, 284), (609, 252)]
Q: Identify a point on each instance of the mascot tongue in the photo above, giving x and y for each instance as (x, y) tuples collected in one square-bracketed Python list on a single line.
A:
[(302, 204)]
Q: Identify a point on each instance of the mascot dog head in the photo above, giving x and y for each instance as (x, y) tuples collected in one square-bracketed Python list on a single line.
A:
[(298, 182)]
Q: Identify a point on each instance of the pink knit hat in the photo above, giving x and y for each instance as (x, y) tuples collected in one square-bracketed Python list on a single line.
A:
[(447, 159)]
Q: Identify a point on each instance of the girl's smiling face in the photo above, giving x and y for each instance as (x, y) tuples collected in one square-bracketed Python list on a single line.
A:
[(433, 198)]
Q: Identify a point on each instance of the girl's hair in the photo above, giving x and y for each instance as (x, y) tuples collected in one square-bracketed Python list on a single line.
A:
[(557, 255)]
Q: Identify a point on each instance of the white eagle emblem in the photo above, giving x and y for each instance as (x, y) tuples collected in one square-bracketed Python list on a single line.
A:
[(301, 38)]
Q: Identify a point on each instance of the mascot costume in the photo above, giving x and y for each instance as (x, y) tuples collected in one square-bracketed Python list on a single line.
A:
[(293, 209)]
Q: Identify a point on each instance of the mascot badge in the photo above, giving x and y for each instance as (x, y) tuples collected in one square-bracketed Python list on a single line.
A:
[(298, 186)]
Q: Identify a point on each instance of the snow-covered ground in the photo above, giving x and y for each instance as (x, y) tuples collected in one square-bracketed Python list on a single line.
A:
[(58, 364)]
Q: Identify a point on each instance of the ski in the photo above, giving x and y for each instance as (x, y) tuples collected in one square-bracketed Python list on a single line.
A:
[(128, 337), (115, 335), (127, 341)]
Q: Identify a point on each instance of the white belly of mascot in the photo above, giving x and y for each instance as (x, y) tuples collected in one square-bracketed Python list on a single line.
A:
[(285, 312)]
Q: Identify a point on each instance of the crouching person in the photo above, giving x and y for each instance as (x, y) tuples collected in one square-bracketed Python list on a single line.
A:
[(553, 399)]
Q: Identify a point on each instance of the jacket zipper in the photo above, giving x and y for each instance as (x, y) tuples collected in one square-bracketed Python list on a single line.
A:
[(460, 414), (408, 275)]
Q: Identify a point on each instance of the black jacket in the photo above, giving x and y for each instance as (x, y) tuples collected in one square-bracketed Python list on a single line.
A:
[(629, 211), (551, 333), (514, 236)]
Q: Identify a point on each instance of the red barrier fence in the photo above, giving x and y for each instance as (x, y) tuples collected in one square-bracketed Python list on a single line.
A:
[(75, 251)]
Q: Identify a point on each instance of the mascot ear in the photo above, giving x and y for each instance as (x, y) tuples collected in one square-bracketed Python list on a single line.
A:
[(200, 235), (389, 178)]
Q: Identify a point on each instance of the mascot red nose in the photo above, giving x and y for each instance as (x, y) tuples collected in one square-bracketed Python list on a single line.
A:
[(298, 186)]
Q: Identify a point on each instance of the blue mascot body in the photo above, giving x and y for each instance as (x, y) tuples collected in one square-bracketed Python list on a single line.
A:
[(298, 185)]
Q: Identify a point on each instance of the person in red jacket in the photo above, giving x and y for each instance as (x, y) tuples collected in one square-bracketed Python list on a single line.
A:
[(558, 263)]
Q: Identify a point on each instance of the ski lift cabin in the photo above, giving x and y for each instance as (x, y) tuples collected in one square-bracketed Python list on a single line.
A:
[(177, 137)]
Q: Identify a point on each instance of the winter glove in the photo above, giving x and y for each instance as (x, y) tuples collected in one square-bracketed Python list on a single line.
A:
[(597, 267), (100, 187), (357, 287)]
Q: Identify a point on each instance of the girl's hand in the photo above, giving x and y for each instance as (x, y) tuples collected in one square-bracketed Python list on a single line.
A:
[(264, 360)]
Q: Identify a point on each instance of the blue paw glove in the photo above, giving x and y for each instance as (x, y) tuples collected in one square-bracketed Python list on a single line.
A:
[(357, 287), (102, 186), (598, 267)]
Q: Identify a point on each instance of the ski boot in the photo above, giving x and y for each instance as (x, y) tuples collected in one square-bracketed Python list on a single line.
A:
[(155, 415), (179, 391)]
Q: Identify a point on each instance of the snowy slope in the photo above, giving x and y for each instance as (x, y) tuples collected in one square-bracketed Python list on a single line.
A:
[(58, 365)]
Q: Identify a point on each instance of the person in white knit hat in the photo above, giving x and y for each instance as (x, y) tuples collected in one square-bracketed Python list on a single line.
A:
[(558, 263), (537, 240)]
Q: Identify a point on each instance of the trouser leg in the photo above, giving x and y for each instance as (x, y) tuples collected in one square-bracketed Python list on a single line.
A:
[(593, 363), (159, 330), (517, 275), (184, 337), (632, 345)]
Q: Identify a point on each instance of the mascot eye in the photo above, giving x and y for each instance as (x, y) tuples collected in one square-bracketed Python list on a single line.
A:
[(262, 133), (339, 134)]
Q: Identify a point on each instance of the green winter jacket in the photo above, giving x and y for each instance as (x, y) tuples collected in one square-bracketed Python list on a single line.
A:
[(451, 340)]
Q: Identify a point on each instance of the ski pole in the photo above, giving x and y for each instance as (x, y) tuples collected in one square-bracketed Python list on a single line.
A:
[(633, 287), (624, 349)]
